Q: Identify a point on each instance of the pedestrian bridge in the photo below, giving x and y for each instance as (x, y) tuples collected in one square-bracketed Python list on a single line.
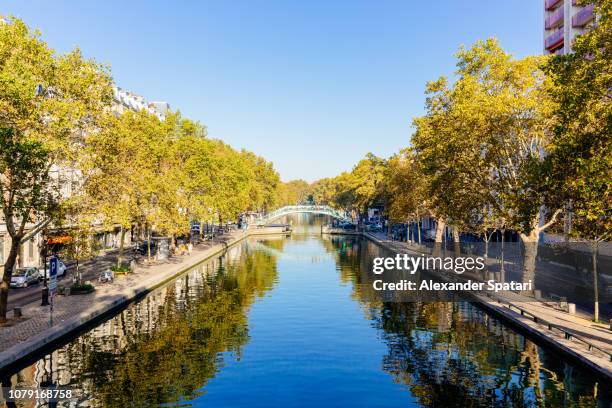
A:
[(297, 209)]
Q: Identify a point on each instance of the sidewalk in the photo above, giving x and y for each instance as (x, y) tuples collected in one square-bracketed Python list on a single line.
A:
[(597, 334), (39, 326)]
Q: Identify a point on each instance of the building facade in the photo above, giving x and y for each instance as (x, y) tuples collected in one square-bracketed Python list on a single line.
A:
[(125, 100), (563, 21)]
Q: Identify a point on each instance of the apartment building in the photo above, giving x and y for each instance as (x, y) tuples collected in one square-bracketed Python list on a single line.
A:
[(125, 100), (563, 21)]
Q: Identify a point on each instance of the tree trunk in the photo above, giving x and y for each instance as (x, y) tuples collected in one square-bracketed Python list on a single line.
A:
[(502, 269), (456, 245), (440, 230), (485, 272), (418, 225), (9, 265), (148, 244), (594, 253), (438, 239), (121, 245), (409, 232), (530, 242)]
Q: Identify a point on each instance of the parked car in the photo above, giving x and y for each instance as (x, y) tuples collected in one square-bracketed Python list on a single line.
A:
[(24, 277), (61, 269)]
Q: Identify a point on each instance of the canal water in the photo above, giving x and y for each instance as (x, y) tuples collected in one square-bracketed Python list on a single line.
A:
[(294, 322)]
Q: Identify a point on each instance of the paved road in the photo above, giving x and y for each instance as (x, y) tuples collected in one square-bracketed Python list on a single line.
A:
[(90, 270)]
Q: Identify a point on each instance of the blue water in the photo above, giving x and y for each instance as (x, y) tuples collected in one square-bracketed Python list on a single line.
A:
[(311, 345), (293, 322)]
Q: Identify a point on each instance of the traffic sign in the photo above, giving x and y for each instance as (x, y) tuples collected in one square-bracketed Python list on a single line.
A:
[(53, 266)]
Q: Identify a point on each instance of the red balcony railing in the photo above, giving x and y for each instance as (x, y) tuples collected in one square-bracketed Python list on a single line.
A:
[(554, 19), (551, 4), (582, 17), (554, 39)]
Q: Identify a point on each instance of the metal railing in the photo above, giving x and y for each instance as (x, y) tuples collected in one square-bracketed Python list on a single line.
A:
[(294, 209), (582, 17), (554, 39), (551, 326)]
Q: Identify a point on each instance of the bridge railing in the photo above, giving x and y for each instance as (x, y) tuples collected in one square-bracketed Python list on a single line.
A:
[(291, 209)]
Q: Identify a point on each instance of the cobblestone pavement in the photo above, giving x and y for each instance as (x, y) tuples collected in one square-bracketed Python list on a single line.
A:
[(37, 319)]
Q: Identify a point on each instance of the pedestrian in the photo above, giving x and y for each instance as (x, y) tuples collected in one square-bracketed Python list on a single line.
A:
[(189, 248)]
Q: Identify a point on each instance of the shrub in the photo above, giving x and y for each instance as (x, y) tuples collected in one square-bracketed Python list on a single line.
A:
[(81, 287)]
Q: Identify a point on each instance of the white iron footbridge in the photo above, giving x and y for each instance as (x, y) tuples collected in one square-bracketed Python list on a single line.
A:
[(297, 209)]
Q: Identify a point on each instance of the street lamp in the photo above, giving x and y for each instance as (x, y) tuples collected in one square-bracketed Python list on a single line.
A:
[(502, 271), (44, 252)]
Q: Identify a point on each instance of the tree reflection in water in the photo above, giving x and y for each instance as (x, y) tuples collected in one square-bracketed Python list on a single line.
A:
[(165, 348), (453, 354)]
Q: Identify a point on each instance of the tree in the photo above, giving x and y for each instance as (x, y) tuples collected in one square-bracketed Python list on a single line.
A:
[(28, 197), (509, 101), (121, 165), (47, 102), (499, 112), (579, 166), (447, 153), (293, 192), (365, 181), (403, 189)]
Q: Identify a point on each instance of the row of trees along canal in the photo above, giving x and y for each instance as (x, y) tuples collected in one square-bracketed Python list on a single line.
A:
[(514, 144), (125, 170)]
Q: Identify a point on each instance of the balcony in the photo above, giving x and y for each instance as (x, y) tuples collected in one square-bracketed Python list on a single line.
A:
[(551, 4), (555, 19), (584, 16), (554, 40)]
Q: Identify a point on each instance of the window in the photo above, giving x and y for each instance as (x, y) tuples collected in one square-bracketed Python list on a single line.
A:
[(1, 249), (31, 250)]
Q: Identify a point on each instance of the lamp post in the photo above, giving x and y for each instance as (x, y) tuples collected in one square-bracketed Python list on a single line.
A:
[(44, 252), (502, 271)]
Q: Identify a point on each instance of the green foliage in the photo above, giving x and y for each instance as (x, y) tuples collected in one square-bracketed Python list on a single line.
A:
[(359, 189), (46, 103), (81, 287), (292, 192), (403, 189)]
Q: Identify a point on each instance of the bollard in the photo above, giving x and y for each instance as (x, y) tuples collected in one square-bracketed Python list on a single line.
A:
[(538, 294), (17, 312), (571, 308)]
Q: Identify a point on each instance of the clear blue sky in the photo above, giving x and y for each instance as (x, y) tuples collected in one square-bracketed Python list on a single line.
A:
[(310, 85)]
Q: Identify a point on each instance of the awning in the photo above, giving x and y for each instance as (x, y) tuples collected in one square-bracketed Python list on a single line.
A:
[(65, 239)]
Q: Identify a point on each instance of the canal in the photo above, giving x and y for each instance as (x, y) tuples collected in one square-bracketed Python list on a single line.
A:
[(281, 321)]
